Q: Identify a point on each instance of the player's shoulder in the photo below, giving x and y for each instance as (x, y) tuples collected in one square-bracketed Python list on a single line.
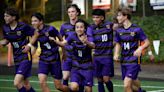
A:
[(22, 24), (50, 28), (136, 28), (66, 23), (107, 23)]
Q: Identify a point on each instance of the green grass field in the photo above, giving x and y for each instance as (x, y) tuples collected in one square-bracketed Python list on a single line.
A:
[(6, 85)]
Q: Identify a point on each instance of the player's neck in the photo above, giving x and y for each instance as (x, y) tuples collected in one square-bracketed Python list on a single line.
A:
[(13, 25), (73, 21), (127, 24), (41, 26)]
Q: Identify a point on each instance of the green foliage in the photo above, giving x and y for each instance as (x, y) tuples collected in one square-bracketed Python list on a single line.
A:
[(154, 29)]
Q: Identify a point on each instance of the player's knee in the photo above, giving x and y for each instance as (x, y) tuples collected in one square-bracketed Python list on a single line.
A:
[(74, 87), (17, 84), (127, 85)]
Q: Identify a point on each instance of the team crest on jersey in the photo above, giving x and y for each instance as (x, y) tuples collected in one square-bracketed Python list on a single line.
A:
[(74, 41), (97, 28), (132, 33), (108, 26), (121, 33), (67, 30), (19, 33)]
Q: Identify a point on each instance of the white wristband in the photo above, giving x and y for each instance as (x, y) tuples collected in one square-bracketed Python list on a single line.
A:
[(29, 44), (150, 53), (140, 48)]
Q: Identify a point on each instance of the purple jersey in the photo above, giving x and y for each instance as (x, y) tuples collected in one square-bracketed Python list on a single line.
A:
[(67, 29), (129, 42), (49, 50), (103, 39), (81, 52), (18, 38)]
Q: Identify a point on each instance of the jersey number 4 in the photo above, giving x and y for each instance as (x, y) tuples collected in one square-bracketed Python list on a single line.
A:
[(126, 46)]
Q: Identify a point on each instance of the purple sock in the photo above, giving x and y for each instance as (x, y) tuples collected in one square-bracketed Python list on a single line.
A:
[(65, 82), (101, 87), (23, 89), (109, 86), (31, 90)]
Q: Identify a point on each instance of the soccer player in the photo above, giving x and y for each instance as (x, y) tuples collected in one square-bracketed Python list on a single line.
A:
[(128, 39), (103, 53), (49, 61), (82, 66), (66, 30), (17, 34)]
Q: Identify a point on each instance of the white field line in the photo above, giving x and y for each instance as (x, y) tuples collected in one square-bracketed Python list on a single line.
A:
[(156, 91), (116, 85)]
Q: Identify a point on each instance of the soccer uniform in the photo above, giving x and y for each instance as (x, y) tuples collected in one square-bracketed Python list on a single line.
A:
[(18, 39), (103, 53), (129, 40), (66, 30), (49, 58), (82, 66)]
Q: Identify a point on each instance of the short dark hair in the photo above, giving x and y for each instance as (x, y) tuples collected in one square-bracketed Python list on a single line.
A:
[(98, 12), (38, 15), (76, 7), (13, 12), (84, 22), (126, 11)]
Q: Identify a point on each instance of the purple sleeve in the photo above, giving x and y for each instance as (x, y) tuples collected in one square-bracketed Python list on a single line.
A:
[(141, 35), (53, 32), (69, 39), (90, 34), (28, 30), (62, 30), (116, 37)]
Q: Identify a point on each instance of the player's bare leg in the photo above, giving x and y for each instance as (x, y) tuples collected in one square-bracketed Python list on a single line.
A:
[(18, 82), (43, 82), (74, 86), (128, 84), (60, 86), (88, 89)]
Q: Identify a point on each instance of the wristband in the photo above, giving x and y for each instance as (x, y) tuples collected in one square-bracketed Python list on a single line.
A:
[(29, 44), (140, 48)]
